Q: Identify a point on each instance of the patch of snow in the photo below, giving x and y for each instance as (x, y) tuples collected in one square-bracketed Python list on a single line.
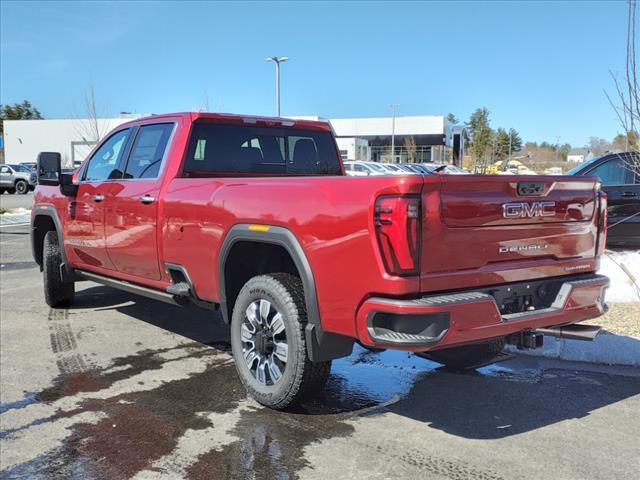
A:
[(15, 216), (623, 269)]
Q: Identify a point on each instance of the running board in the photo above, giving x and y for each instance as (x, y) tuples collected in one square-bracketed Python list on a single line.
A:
[(128, 287), (572, 332)]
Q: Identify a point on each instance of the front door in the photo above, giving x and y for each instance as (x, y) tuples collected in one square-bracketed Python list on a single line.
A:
[(6, 178), (85, 234), (132, 206)]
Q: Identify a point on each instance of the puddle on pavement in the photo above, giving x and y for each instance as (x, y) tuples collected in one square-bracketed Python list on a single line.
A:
[(6, 266), (142, 427)]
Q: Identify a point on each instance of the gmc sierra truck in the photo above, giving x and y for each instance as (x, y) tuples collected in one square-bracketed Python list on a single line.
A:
[(256, 218)]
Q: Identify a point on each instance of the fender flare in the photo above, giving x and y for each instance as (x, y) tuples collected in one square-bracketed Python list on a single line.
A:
[(48, 211), (321, 346), (276, 236)]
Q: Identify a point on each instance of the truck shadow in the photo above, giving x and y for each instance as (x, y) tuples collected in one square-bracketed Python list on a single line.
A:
[(493, 402)]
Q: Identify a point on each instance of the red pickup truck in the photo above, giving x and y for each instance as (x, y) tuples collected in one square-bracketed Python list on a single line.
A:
[(255, 217)]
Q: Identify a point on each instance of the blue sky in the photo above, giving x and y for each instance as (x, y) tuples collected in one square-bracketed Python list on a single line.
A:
[(539, 67)]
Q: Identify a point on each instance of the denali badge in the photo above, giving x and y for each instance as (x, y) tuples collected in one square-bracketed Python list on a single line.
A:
[(528, 210), (523, 248)]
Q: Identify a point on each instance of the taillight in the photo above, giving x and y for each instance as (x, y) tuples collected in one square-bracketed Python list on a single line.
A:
[(398, 229), (602, 222)]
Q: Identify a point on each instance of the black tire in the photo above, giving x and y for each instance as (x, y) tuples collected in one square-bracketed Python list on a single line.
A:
[(301, 377), (57, 292), (11, 191), (2, 191), (468, 356), (22, 187)]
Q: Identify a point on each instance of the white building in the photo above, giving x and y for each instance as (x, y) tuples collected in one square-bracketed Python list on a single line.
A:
[(354, 148), (579, 155), (73, 138), (425, 138)]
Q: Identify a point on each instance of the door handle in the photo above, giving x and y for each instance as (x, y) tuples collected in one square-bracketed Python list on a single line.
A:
[(98, 198), (147, 199), (628, 194)]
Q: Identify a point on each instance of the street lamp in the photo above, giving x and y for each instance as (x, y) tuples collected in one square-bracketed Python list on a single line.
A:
[(277, 61), (393, 131)]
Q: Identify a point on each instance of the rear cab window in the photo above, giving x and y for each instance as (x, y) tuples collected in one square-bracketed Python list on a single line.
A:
[(246, 150)]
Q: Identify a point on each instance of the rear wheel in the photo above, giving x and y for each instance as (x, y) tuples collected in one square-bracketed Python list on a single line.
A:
[(468, 356), (268, 342), (57, 292), (22, 187)]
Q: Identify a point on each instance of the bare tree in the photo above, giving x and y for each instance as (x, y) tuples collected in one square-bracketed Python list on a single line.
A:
[(412, 148), (89, 126), (626, 100), (204, 106)]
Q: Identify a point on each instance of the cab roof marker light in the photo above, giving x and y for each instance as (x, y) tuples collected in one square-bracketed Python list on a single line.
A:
[(288, 123), (259, 228), (249, 120)]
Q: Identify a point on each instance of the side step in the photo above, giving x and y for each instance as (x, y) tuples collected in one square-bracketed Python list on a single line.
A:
[(572, 332), (180, 289), (128, 287)]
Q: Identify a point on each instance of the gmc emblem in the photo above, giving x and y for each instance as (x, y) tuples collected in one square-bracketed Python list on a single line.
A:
[(528, 210)]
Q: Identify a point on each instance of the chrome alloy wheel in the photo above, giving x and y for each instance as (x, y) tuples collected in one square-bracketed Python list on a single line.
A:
[(264, 342)]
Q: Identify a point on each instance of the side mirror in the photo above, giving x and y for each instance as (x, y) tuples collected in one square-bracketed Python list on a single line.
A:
[(48, 168), (67, 187)]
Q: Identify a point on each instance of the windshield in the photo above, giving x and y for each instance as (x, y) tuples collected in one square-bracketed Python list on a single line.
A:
[(20, 168), (393, 168), (580, 166), (375, 167)]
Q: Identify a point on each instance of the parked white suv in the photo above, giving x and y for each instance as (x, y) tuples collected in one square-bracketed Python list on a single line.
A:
[(16, 178), (363, 169)]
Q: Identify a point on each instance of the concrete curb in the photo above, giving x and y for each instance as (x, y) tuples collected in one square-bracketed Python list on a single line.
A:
[(607, 348)]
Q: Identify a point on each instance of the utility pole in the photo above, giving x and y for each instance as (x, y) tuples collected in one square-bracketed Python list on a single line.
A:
[(277, 61), (557, 148), (393, 131)]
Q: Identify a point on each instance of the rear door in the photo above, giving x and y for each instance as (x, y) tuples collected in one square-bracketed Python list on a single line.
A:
[(132, 205), (617, 177), (494, 219)]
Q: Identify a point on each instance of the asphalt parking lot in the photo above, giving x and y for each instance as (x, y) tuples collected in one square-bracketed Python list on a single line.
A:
[(122, 387), (15, 200)]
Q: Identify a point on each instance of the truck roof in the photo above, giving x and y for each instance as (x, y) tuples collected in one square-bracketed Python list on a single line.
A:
[(240, 118)]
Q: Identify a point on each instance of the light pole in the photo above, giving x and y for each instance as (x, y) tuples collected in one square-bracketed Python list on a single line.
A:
[(277, 61), (393, 131)]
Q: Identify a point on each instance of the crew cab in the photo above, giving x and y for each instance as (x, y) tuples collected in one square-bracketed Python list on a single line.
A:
[(256, 218)]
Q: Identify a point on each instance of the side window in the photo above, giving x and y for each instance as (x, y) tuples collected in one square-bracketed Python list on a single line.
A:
[(148, 151), (612, 172), (104, 163), (4, 169), (360, 168)]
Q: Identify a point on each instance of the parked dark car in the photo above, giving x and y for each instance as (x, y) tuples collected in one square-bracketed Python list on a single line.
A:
[(620, 176)]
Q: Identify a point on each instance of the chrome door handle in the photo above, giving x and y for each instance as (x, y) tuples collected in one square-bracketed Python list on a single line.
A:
[(629, 194), (147, 199), (98, 198)]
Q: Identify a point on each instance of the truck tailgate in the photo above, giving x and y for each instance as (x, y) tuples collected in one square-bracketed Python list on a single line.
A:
[(502, 221)]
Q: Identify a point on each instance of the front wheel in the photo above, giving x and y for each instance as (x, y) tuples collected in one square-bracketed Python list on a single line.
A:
[(468, 356), (57, 291), (268, 342), (22, 187)]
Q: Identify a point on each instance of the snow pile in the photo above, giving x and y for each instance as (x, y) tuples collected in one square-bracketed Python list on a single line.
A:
[(16, 216), (623, 268)]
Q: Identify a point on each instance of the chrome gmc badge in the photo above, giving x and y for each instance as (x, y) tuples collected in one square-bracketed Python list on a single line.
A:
[(528, 210)]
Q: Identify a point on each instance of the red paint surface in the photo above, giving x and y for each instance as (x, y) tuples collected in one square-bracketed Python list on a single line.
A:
[(333, 219)]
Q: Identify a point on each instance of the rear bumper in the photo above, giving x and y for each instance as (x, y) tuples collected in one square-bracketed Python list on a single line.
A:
[(446, 320)]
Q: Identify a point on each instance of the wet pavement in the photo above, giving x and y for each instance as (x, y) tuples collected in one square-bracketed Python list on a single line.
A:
[(121, 387)]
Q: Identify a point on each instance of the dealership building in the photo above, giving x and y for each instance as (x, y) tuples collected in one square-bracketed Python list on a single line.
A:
[(421, 138)]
